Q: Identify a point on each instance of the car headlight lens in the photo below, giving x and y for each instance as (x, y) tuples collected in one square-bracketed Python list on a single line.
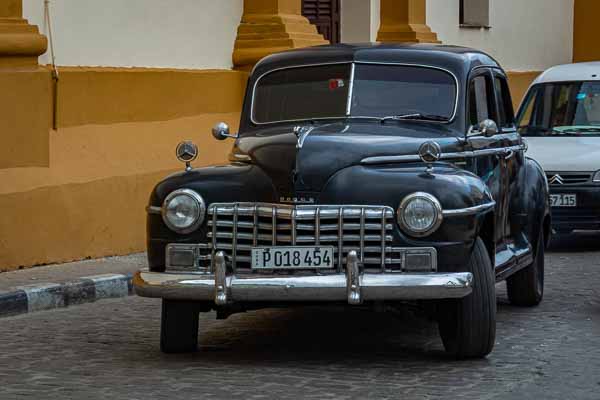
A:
[(596, 177), (420, 214), (183, 211)]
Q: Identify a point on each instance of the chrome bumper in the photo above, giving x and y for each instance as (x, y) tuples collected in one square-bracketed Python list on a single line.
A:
[(351, 286)]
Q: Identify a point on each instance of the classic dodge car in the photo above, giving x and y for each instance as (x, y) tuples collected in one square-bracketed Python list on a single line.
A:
[(363, 175)]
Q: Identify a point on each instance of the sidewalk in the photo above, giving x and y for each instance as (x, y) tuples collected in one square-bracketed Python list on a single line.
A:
[(62, 285)]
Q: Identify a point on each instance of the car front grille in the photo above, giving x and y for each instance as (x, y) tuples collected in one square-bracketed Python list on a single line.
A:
[(568, 178), (236, 228)]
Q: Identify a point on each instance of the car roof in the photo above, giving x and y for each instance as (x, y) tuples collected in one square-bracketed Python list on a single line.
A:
[(587, 71), (459, 60)]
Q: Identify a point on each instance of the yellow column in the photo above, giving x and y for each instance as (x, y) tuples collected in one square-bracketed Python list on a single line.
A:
[(20, 43), (269, 26), (26, 91), (586, 31), (405, 21)]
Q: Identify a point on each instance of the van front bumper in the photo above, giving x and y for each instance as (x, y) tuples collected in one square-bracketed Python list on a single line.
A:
[(352, 286)]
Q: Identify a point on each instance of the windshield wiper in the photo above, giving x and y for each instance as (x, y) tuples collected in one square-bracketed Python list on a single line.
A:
[(415, 116)]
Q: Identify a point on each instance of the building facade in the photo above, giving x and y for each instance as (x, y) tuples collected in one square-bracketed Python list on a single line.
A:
[(81, 147)]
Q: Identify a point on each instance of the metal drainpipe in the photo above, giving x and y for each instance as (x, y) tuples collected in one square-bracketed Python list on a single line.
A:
[(53, 63)]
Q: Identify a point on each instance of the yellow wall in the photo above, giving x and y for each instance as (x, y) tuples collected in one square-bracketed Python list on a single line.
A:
[(25, 117), (586, 46), (118, 129), (519, 83)]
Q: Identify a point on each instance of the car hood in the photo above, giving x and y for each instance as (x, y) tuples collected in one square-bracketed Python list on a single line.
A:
[(566, 154), (300, 165)]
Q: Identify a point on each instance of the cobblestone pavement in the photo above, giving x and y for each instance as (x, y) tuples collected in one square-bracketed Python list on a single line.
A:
[(109, 350)]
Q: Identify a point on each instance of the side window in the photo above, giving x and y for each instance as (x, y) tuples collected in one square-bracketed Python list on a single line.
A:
[(526, 112), (507, 115), (481, 100)]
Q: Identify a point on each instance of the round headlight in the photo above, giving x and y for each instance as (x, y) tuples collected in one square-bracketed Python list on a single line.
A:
[(420, 214), (183, 211), (596, 177)]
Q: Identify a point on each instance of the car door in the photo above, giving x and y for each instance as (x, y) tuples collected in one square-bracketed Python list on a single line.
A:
[(513, 158), (489, 162)]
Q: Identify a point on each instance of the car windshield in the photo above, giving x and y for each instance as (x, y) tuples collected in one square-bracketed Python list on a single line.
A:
[(378, 91), (561, 110)]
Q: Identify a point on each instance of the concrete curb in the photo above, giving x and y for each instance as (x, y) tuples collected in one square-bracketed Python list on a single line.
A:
[(48, 296)]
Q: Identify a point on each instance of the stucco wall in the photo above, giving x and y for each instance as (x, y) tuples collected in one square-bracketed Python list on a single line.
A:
[(141, 33), (525, 35), (359, 20)]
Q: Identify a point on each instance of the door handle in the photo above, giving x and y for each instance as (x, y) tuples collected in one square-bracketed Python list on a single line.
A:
[(509, 154)]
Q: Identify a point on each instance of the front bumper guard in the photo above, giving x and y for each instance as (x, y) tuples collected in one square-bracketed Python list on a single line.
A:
[(352, 286)]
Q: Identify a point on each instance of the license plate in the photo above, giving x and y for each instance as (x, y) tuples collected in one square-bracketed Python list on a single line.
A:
[(292, 257), (563, 200)]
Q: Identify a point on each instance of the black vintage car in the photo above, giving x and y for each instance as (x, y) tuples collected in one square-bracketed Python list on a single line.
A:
[(363, 175)]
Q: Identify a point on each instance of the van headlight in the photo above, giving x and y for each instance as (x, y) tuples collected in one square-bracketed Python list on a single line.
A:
[(183, 211), (596, 178), (420, 214)]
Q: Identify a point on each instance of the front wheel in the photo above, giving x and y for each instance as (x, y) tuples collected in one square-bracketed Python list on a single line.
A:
[(526, 287), (179, 326), (468, 325)]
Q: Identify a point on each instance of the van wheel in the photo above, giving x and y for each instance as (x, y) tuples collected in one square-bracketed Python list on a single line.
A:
[(179, 327), (468, 325), (526, 287)]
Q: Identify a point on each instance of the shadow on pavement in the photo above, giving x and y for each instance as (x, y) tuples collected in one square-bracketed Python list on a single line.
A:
[(575, 242)]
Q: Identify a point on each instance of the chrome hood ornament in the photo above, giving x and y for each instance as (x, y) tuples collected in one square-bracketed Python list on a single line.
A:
[(430, 152), (187, 152)]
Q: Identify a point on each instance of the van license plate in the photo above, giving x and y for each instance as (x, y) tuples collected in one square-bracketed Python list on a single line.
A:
[(563, 200), (293, 257)]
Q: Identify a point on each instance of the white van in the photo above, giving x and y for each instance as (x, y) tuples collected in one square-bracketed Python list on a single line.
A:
[(560, 119)]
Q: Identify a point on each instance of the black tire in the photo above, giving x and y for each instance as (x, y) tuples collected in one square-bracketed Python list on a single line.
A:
[(179, 327), (526, 287), (468, 325)]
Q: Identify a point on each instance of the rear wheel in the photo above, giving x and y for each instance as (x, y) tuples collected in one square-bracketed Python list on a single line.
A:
[(179, 326), (526, 287), (468, 325)]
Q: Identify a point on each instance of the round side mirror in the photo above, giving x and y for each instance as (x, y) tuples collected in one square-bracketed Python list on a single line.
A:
[(488, 128), (221, 131)]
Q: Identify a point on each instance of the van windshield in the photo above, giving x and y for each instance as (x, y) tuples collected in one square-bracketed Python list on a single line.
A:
[(561, 110)]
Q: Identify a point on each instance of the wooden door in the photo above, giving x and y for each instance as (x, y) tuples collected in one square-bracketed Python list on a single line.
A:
[(325, 14)]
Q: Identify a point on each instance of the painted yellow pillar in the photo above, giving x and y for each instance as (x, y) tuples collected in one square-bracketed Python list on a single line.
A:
[(586, 31), (269, 26), (20, 43), (25, 94), (405, 21)]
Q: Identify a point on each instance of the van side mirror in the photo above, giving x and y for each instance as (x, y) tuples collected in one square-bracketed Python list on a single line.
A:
[(221, 131), (486, 128)]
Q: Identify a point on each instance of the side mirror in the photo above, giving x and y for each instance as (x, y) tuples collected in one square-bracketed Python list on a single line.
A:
[(221, 131), (488, 128)]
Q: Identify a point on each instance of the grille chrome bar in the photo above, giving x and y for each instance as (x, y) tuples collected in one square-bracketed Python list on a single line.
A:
[(383, 249), (303, 238), (285, 211), (236, 228), (300, 227), (362, 234), (235, 237), (340, 238)]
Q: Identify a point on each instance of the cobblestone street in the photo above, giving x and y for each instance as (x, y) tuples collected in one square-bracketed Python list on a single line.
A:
[(109, 350)]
